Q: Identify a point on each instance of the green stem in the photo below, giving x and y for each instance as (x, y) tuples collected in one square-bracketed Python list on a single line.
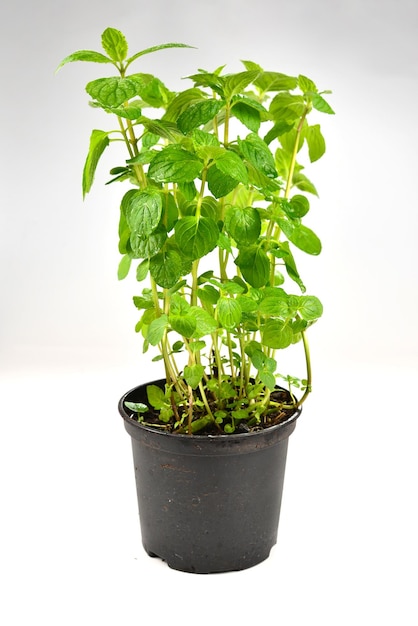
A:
[(308, 370), (308, 374), (231, 358), (193, 295)]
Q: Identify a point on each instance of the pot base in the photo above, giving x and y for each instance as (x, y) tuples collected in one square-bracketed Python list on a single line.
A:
[(218, 568)]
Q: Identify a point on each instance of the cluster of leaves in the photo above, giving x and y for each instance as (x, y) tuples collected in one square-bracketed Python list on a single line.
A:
[(213, 175)]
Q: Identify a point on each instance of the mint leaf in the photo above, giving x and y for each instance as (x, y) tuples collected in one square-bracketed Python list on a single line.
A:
[(316, 142), (143, 213), (243, 224), (310, 308), (99, 140), (162, 46), (257, 152), (254, 265), (320, 104), (156, 330), (174, 164), (220, 184), (229, 313), (193, 374), (236, 83), (145, 247), (198, 113), (124, 266), (114, 43), (276, 334), (196, 236), (231, 164), (305, 239), (84, 55), (166, 268), (112, 92), (156, 397)]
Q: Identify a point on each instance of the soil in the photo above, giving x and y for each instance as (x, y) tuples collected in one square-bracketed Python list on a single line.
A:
[(280, 395)]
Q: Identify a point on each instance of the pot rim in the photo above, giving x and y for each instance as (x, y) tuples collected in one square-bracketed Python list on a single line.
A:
[(274, 433)]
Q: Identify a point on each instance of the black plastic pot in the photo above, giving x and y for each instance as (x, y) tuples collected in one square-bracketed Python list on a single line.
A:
[(208, 503)]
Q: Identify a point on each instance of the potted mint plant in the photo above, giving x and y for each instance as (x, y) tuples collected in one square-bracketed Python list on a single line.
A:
[(211, 218)]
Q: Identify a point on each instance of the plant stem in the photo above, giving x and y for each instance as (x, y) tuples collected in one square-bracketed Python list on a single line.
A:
[(308, 369), (190, 409)]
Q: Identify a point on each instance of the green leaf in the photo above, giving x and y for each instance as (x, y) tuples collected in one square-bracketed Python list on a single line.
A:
[(181, 101), (197, 346), (276, 334), (203, 139), (99, 140), (254, 265), (274, 306), (287, 107), (166, 268), (220, 184), (209, 79), (179, 305), (145, 156), (243, 224), (208, 294), (280, 128), (316, 142), (142, 270), (112, 92), (297, 207), (247, 115), (284, 253), (114, 43), (229, 313), (143, 302), (205, 323), (276, 81), (144, 212), (162, 46), (236, 83), (256, 151), (185, 325), (156, 397), (310, 308), (322, 105), (124, 266), (159, 128), (195, 236), (85, 55), (198, 113), (230, 164), (303, 183), (306, 85), (193, 374), (151, 89), (137, 407), (156, 330), (305, 239), (131, 111), (148, 246), (266, 185), (174, 164), (268, 379), (188, 190)]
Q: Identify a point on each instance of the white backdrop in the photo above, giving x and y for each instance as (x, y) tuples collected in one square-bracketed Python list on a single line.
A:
[(67, 346)]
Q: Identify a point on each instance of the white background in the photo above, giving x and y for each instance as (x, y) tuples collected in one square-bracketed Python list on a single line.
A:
[(70, 545)]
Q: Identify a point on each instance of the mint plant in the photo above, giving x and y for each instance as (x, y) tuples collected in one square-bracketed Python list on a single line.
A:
[(212, 212)]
